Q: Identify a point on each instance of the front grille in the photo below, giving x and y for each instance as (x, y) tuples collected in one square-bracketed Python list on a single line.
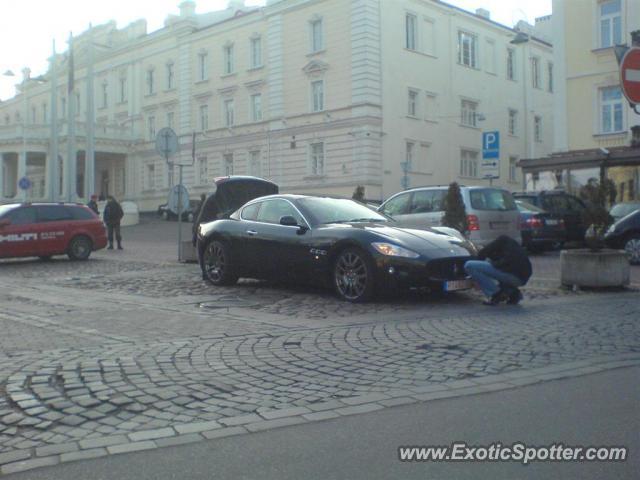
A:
[(447, 268)]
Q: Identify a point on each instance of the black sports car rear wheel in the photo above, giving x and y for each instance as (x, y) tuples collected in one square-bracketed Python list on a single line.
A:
[(217, 264), (353, 275)]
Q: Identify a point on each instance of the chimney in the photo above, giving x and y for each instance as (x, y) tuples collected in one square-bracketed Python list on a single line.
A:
[(187, 8), (484, 13)]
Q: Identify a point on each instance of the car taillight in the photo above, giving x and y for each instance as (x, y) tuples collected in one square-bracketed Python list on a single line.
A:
[(473, 222), (535, 222)]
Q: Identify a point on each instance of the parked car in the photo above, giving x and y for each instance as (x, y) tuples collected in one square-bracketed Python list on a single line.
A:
[(329, 241), (568, 207), (625, 233), (47, 229), (540, 230), (491, 212), (623, 209), (230, 193), (187, 216)]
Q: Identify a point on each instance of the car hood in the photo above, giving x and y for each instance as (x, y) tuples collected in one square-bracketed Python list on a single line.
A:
[(424, 242)]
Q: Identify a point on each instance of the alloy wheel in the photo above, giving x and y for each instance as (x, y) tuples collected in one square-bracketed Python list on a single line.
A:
[(214, 262), (351, 275), (632, 247)]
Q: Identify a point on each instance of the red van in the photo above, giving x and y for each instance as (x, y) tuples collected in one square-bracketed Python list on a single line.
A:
[(46, 229)]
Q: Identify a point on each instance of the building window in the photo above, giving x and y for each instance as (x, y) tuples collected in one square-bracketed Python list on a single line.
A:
[(203, 170), (610, 23), (431, 107), (45, 113), (411, 31), (150, 83), (151, 123), (468, 163), (227, 160), (550, 77), (317, 42), (535, 72), (256, 52), (468, 113), (33, 115), (511, 64), (170, 119), (123, 90), (229, 64), (255, 167), (170, 76), (204, 117), (317, 96), (467, 49), (316, 159), (203, 74), (513, 122), (150, 177), (412, 109), (256, 107), (105, 95), (537, 128), (229, 112), (513, 161), (408, 157), (611, 108)]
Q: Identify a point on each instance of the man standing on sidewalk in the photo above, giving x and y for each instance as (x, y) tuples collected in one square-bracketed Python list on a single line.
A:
[(112, 215), (507, 268)]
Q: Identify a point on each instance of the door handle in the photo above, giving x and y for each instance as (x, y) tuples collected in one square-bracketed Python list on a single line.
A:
[(252, 233)]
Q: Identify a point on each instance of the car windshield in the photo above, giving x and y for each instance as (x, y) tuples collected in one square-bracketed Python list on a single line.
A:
[(527, 207), (4, 209), (623, 209), (339, 210), (492, 199)]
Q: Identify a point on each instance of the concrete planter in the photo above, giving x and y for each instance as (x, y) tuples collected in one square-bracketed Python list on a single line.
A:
[(586, 268)]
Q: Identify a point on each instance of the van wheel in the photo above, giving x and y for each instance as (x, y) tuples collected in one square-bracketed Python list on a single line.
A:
[(79, 248)]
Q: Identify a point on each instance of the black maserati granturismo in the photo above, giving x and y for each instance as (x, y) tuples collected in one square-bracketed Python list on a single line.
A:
[(330, 241)]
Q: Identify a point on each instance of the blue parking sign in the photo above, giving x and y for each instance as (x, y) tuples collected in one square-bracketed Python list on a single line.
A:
[(491, 144)]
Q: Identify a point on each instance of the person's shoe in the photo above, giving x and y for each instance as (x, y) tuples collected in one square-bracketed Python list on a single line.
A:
[(110, 247), (515, 297), (495, 299), (119, 247)]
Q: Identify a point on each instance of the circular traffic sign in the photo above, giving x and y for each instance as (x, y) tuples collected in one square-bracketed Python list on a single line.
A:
[(630, 75), (166, 142), (24, 183), (178, 198)]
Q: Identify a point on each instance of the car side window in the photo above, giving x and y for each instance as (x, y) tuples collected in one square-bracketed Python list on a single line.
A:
[(52, 213), (251, 212), (22, 216), (422, 201), (80, 213), (272, 211), (398, 205)]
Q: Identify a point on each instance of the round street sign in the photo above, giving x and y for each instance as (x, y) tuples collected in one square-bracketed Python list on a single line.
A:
[(166, 142), (630, 75), (24, 183)]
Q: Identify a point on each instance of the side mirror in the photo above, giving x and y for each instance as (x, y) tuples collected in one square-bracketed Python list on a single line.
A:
[(288, 221), (4, 222)]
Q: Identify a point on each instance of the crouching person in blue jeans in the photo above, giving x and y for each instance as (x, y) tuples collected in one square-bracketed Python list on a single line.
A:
[(503, 267)]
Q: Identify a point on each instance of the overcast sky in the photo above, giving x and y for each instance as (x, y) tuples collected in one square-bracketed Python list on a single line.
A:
[(28, 27)]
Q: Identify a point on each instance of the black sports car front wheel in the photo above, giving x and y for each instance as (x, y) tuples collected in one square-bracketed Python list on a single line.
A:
[(217, 264), (353, 275)]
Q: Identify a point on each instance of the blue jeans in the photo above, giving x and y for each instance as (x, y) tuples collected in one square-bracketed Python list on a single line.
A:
[(489, 277)]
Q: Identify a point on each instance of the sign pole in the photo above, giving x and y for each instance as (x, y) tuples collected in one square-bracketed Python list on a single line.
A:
[(180, 212)]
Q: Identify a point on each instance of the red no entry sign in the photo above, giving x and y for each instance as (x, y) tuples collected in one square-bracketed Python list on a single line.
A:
[(630, 75)]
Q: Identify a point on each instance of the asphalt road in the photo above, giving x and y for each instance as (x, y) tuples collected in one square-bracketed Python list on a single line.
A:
[(599, 409)]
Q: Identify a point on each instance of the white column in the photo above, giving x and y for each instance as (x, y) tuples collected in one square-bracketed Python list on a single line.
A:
[(89, 159), (22, 172), (53, 171)]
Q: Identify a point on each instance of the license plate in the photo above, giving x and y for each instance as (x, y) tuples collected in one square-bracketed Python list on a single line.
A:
[(551, 222), (453, 285), (498, 225)]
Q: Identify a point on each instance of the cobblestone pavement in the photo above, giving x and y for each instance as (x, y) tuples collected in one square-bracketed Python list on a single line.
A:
[(132, 351)]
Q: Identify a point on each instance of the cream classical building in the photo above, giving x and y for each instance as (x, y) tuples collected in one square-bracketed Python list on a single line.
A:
[(318, 95), (596, 131)]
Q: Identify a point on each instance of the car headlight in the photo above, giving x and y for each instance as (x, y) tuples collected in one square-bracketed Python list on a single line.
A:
[(394, 250)]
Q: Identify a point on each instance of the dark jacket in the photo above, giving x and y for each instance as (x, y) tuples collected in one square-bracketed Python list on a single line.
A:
[(113, 213), (507, 255), (93, 206)]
